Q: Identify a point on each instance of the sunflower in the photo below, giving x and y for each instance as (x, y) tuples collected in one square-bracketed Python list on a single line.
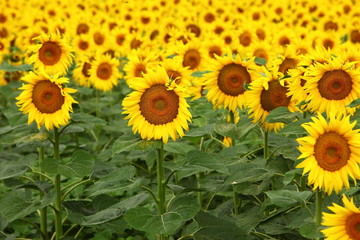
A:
[(225, 84), (81, 73), (331, 152), (175, 71), (104, 72), (46, 100), (343, 223), (82, 44), (53, 54), (156, 109), (192, 54), (267, 93), (332, 86)]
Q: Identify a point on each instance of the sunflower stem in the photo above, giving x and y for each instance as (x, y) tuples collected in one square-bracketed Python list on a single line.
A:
[(235, 194), (97, 103), (43, 211), (318, 207), (161, 182), (199, 176), (58, 199), (266, 145)]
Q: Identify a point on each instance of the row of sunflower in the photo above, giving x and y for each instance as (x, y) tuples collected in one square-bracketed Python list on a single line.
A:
[(300, 55)]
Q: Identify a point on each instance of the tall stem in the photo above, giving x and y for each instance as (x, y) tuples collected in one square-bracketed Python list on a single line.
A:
[(43, 211), (266, 145), (200, 175), (318, 207), (58, 202), (161, 183), (235, 194)]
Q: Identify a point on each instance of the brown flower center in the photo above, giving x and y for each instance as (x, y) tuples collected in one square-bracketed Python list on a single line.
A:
[(135, 43), (274, 97), (331, 151), (85, 69), (260, 34), (159, 105), (261, 53), (174, 75), (335, 85), (284, 40), (47, 97), (352, 226), (245, 38), (104, 71), (287, 64), (83, 45), (355, 36), (218, 30), (215, 50), (50, 53), (329, 25), (231, 79), (209, 18), (99, 38), (139, 70), (191, 59), (120, 39), (82, 28), (194, 29)]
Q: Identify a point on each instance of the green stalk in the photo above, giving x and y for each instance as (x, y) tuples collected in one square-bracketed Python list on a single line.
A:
[(266, 145), (235, 194), (161, 182), (58, 200), (318, 207), (199, 176), (43, 211)]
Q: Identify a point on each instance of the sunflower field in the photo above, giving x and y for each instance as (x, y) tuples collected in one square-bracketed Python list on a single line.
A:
[(179, 120)]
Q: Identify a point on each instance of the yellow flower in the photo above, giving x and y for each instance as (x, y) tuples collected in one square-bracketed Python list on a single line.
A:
[(52, 55), (104, 72), (343, 223), (330, 152), (46, 100), (155, 110)]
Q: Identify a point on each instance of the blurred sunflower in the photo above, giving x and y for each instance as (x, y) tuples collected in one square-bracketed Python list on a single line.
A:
[(81, 73), (155, 109), (225, 83), (331, 153), (52, 55), (332, 86), (192, 54), (46, 100), (267, 93), (343, 223), (177, 72), (104, 72), (82, 45)]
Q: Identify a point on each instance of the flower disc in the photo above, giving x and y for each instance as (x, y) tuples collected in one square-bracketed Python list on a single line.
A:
[(335, 85), (352, 226), (50, 53), (331, 151), (104, 71), (192, 59), (275, 96), (231, 79), (47, 97), (159, 105)]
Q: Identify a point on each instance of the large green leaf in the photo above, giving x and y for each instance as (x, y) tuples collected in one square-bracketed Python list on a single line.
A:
[(80, 165), (15, 68), (228, 130), (143, 219), (129, 143), (186, 206), (87, 118), (115, 182), (281, 114), (13, 164), (214, 228), (203, 159), (287, 198), (18, 204)]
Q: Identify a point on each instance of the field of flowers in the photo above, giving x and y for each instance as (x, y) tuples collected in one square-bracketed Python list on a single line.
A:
[(176, 120)]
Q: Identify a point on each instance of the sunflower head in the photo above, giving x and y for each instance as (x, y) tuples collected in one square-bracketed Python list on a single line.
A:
[(156, 108), (46, 100), (330, 153), (52, 55)]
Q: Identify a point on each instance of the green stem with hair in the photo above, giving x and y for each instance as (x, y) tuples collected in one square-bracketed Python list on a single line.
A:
[(43, 211), (58, 199), (266, 144), (161, 183), (235, 194)]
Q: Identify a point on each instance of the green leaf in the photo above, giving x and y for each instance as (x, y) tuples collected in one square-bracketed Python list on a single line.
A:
[(311, 231), (295, 127), (227, 130), (290, 175), (248, 172), (80, 165), (354, 103), (186, 206), (178, 147), (17, 204), (199, 73), (214, 228), (87, 118), (14, 68), (116, 181), (129, 143), (14, 116), (287, 198), (281, 114), (260, 61), (143, 219), (13, 165)]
